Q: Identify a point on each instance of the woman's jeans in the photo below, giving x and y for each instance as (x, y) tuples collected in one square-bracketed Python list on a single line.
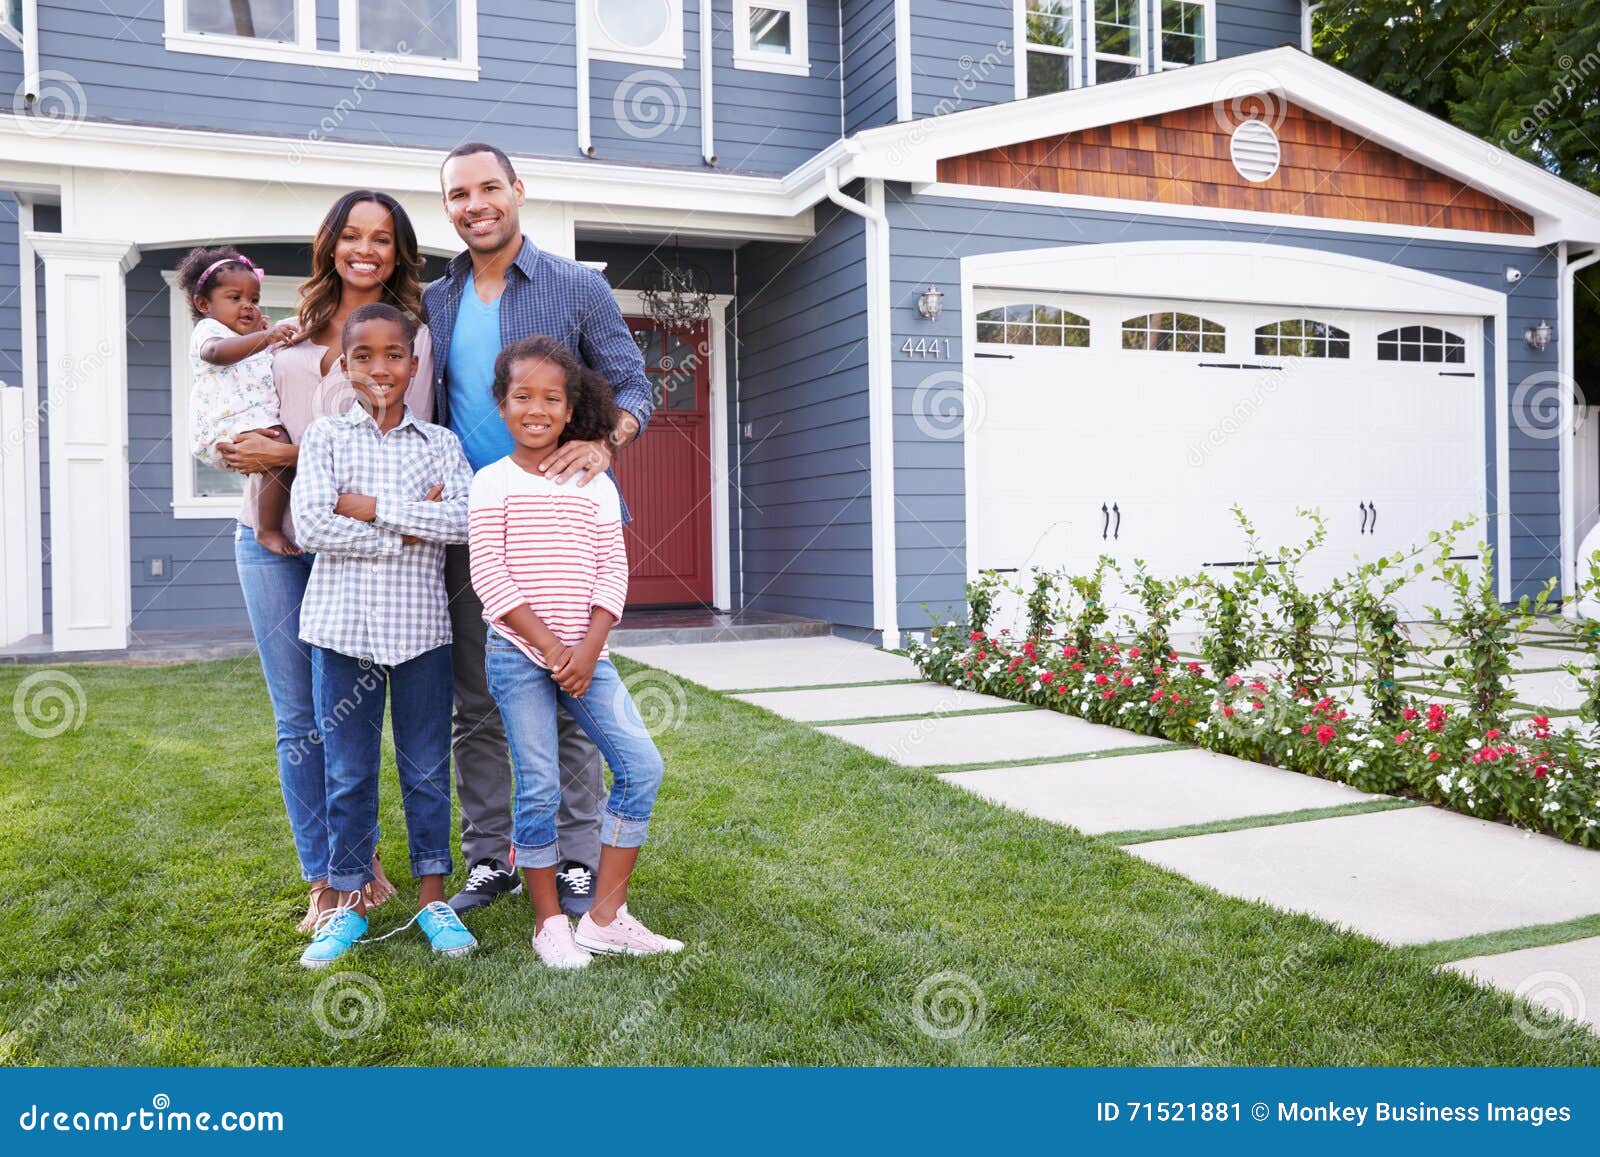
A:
[(350, 699), (527, 697), (273, 588)]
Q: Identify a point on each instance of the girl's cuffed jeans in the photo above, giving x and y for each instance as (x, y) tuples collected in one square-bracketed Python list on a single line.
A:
[(527, 697), (350, 699)]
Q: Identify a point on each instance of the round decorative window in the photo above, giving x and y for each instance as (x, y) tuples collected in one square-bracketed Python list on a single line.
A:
[(1255, 151), (634, 23)]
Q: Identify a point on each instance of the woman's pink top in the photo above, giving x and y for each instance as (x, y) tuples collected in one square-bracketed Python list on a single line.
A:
[(305, 394)]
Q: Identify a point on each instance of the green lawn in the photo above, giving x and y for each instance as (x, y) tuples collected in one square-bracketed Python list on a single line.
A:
[(150, 893)]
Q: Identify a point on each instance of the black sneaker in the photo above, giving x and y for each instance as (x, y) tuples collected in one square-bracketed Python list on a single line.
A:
[(486, 882), (575, 885)]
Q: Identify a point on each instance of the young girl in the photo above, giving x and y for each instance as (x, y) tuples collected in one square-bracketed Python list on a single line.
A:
[(549, 565), (231, 370), (378, 496)]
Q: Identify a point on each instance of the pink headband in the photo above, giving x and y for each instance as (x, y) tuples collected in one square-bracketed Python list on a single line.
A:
[(216, 265)]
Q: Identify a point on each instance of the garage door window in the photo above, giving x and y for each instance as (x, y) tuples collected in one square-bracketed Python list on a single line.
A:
[(1421, 343), (1300, 337), (1184, 333), (1033, 324)]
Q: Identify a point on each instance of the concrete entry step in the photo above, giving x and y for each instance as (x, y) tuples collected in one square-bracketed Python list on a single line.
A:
[(649, 627)]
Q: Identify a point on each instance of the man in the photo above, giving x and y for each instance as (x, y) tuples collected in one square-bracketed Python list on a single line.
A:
[(503, 289)]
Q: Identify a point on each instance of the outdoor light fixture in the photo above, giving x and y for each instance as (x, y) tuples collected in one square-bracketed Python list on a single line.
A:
[(677, 296), (929, 304), (1539, 336)]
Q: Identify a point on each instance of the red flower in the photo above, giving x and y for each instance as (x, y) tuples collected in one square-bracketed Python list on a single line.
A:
[(1048, 677), (1410, 713), (1227, 712), (1325, 735), (977, 636), (1433, 756), (1402, 737), (1102, 680)]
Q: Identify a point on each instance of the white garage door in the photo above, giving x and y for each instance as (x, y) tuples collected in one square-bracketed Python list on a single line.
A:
[(1131, 428)]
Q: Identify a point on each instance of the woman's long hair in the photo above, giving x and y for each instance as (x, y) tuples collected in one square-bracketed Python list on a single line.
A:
[(320, 293)]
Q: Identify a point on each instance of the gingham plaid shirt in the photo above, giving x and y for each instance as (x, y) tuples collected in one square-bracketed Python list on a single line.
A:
[(546, 294), (371, 596)]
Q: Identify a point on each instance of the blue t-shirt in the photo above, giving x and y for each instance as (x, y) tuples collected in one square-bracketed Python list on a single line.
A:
[(469, 376)]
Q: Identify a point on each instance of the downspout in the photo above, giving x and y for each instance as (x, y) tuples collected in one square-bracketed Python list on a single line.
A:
[(580, 41), (1307, 13), (30, 51), (903, 110), (880, 403), (708, 150), (1566, 309)]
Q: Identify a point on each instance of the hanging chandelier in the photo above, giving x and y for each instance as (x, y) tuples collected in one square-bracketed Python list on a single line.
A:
[(677, 296)]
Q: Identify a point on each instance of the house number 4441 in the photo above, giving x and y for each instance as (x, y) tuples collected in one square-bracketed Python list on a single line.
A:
[(926, 347)]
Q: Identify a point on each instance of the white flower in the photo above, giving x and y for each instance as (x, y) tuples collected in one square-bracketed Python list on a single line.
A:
[(1446, 781), (1285, 730), (1474, 743), (1035, 685), (1356, 765)]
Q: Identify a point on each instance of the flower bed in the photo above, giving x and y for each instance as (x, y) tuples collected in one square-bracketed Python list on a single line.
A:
[(1523, 773)]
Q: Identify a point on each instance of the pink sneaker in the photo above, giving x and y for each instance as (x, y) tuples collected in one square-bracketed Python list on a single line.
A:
[(624, 936), (555, 946)]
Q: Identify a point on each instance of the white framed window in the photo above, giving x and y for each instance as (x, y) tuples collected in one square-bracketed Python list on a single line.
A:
[(1116, 39), (401, 37), (636, 31), (198, 490), (770, 36), (1048, 32), (1183, 32), (11, 21)]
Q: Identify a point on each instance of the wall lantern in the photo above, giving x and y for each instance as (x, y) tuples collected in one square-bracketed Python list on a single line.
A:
[(930, 304), (1539, 336)]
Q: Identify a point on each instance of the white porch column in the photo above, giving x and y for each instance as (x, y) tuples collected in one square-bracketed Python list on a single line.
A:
[(87, 401)]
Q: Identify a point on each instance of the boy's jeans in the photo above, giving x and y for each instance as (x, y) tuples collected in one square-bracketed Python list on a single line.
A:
[(350, 697), (527, 696)]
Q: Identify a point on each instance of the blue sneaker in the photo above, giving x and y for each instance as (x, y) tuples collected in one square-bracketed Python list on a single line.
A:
[(445, 931), (335, 937)]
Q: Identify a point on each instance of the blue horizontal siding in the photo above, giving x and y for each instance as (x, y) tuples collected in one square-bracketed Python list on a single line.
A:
[(1252, 25), (930, 235), (869, 63), (803, 452), (961, 55)]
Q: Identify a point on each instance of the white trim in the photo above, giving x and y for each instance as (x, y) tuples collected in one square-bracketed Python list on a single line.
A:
[(276, 293), (1208, 44), (665, 52), (1308, 12), (904, 105), (28, 306), (1567, 383), (1093, 56), (629, 301), (795, 62), (708, 143), (14, 504), (1206, 213), (911, 153), (1253, 273), (303, 49), (1019, 37)]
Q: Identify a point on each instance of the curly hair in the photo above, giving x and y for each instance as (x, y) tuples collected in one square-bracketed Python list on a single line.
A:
[(193, 268), (379, 311), (593, 402), (321, 292)]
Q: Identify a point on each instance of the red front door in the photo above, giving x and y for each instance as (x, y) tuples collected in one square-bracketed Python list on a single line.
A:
[(665, 476)]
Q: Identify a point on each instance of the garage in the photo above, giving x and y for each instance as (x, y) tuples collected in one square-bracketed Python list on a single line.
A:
[(1130, 426)]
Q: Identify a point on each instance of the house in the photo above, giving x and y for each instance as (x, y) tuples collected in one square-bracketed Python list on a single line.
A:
[(995, 283)]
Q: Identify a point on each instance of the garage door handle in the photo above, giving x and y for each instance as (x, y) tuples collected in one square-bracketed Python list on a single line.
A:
[(1117, 533), (1363, 518), (1105, 524), (1235, 366), (1008, 357), (1373, 529), (1458, 373)]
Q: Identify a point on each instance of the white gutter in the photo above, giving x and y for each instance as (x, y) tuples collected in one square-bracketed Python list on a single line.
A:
[(903, 110), (880, 404), (708, 150), (580, 41), (1307, 12), (1567, 293)]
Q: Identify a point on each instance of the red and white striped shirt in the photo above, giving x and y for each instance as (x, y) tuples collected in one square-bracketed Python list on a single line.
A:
[(556, 548)]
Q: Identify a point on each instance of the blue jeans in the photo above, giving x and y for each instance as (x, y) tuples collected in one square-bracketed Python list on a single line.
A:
[(350, 698), (527, 697), (273, 588)]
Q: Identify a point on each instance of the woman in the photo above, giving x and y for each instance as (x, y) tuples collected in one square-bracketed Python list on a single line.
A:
[(365, 251)]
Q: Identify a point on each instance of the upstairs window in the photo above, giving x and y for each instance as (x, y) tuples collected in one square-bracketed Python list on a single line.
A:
[(1302, 338), (1183, 32), (1033, 324), (1184, 333), (11, 21), (637, 31), (275, 20), (1049, 29), (771, 36), (1116, 39), (1421, 343), (430, 28)]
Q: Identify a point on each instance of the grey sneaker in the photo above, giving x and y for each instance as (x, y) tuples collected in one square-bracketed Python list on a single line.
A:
[(486, 882), (575, 886)]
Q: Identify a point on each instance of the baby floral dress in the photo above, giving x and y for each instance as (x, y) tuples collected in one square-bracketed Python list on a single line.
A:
[(225, 401)]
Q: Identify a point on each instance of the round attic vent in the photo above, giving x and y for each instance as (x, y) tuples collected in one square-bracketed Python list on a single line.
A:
[(1255, 150)]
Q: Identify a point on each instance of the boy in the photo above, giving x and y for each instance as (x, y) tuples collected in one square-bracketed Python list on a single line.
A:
[(377, 496)]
